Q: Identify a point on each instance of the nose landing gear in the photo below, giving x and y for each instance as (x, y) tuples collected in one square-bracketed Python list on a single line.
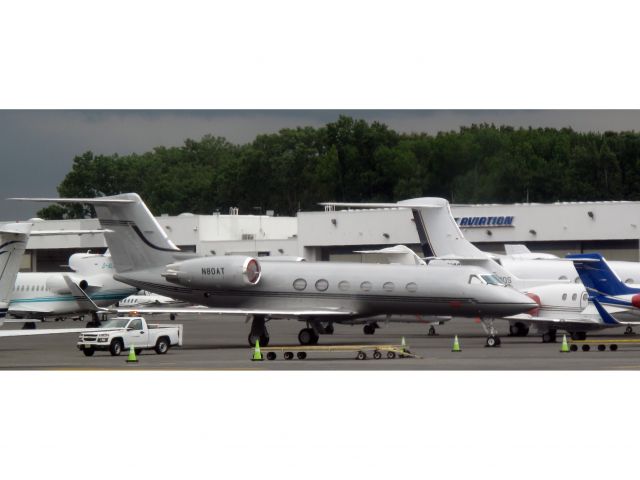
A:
[(258, 331)]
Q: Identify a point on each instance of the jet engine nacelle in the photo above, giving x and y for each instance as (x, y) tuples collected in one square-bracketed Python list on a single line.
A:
[(56, 284), (215, 272)]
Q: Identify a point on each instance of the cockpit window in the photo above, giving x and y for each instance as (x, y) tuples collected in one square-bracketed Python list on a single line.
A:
[(492, 280)]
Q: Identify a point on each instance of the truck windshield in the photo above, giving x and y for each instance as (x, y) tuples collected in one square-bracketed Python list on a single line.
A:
[(115, 323)]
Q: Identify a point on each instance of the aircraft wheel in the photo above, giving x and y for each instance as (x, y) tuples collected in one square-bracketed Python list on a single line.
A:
[(29, 326), (369, 329), (628, 330), (328, 329), (613, 347), (432, 331), (172, 316), (308, 336), (264, 340), (578, 335), (493, 341)]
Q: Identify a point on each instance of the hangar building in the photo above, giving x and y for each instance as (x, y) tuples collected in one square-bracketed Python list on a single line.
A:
[(560, 228)]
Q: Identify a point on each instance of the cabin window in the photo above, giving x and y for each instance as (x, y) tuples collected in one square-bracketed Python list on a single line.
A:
[(629, 281), (492, 279), (365, 286), (562, 277), (574, 297), (564, 296), (412, 287), (388, 287), (300, 284), (322, 285), (344, 285), (474, 279)]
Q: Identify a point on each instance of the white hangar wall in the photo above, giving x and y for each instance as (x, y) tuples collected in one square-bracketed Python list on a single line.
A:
[(612, 228)]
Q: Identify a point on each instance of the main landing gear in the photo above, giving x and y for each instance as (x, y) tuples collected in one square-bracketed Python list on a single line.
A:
[(518, 329), (549, 336), (95, 321), (258, 331), (308, 336), (629, 330), (493, 340), (578, 335), (432, 331), (370, 328)]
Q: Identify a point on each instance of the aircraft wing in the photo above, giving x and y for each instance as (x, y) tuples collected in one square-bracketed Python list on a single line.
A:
[(285, 313), (48, 331), (83, 299), (561, 321)]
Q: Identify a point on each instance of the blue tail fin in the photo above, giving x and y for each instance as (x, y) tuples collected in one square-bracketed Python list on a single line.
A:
[(606, 316), (597, 277)]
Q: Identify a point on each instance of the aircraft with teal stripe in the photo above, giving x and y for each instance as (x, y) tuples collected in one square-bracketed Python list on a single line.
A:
[(43, 296)]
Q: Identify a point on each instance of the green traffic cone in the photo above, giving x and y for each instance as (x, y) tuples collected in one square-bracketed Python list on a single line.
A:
[(565, 346), (257, 355), (456, 345), (132, 355), (403, 345)]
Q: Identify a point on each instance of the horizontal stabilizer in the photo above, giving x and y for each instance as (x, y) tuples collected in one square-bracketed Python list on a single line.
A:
[(46, 233), (92, 201)]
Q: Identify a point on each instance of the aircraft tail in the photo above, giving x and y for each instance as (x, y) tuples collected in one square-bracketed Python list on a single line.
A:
[(135, 239), (439, 234), (597, 276), (13, 241)]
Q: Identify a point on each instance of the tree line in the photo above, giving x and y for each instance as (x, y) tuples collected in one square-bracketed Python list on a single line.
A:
[(353, 160)]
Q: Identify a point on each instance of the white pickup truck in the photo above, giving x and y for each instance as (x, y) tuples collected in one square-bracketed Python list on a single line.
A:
[(121, 333)]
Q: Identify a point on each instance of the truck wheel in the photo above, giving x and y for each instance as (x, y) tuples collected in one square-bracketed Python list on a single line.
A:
[(88, 352), (116, 347), (138, 351), (162, 345)]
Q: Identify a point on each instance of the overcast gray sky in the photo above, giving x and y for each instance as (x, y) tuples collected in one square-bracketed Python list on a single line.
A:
[(37, 147)]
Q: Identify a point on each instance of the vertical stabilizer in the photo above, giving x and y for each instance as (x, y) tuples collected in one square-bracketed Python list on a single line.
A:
[(13, 241), (135, 238), (597, 276)]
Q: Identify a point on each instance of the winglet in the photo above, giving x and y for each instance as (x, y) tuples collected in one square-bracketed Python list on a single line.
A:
[(606, 316), (84, 301)]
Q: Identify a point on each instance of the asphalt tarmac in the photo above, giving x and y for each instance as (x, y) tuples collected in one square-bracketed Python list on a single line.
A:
[(219, 343)]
